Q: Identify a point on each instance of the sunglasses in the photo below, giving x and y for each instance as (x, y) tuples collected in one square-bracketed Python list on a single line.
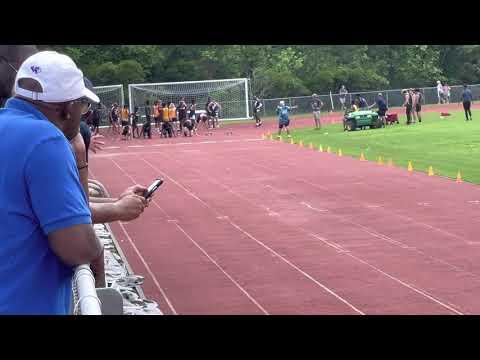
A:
[(84, 104)]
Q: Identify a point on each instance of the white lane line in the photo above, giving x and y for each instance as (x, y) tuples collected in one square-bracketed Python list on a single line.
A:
[(150, 272), (348, 253), (136, 146), (313, 208), (175, 222), (223, 271), (411, 287), (206, 142), (308, 276)]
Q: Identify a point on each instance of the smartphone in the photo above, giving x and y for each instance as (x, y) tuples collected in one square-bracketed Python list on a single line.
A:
[(151, 189)]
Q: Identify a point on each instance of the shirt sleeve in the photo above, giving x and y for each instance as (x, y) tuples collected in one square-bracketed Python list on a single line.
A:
[(56, 195)]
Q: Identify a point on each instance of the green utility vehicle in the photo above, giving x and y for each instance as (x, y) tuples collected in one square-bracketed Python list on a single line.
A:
[(361, 119)]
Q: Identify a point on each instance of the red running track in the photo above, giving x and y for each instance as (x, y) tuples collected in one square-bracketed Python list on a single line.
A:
[(245, 226)]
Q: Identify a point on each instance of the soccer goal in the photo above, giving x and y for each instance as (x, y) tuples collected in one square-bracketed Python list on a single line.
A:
[(231, 94), (108, 95)]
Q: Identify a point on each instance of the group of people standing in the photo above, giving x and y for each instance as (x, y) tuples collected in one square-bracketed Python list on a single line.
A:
[(413, 99), (170, 120)]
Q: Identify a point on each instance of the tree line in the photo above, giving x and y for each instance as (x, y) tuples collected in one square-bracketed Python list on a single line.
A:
[(281, 70)]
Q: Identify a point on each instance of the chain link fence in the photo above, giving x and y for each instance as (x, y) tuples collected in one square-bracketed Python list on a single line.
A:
[(394, 98)]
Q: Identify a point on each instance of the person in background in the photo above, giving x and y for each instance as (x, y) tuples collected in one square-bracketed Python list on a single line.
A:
[(418, 104), (354, 105), (147, 128), (97, 114), (113, 119), (182, 112), (283, 119), (214, 108), (408, 101), (172, 117), (193, 116), (439, 92), (362, 103), (467, 100), (343, 96), (125, 117), (166, 125), (382, 108), (257, 107), (11, 57), (156, 114), (446, 93), (134, 122), (316, 107)]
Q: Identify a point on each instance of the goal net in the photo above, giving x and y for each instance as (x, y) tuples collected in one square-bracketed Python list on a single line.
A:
[(231, 94), (108, 95)]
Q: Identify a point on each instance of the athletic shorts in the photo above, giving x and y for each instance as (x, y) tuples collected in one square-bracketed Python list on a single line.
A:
[(125, 130), (316, 115), (283, 123), (418, 108), (466, 105), (381, 112)]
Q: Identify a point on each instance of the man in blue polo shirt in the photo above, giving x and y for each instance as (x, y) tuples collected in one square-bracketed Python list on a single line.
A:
[(45, 221)]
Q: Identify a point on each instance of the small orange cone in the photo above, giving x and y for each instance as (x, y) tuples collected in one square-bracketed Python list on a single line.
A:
[(380, 161), (320, 148), (340, 152), (410, 167), (459, 177), (430, 171), (362, 157)]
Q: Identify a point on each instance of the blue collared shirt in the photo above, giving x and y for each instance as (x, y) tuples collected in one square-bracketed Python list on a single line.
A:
[(40, 192)]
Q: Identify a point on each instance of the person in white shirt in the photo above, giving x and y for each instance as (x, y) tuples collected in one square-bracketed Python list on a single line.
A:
[(343, 96), (440, 92)]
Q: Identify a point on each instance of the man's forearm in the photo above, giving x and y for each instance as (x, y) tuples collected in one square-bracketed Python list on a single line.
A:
[(103, 212), (100, 200)]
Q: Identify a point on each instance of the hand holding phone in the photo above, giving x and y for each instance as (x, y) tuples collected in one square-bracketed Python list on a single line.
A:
[(152, 188)]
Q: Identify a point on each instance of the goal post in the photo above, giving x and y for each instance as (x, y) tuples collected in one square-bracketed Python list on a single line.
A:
[(231, 94), (108, 95)]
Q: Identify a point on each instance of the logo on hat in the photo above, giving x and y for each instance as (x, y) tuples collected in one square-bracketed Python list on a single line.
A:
[(35, 69)]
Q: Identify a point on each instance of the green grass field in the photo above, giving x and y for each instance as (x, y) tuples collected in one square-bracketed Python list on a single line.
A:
[(448, 145)]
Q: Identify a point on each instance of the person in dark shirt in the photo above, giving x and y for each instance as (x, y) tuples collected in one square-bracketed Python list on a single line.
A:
[(467, 99), (257, 106), (146, 126), (382, 108), (362, 103), (96, 117), (182, 112), (408, 105), (134, 121)]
